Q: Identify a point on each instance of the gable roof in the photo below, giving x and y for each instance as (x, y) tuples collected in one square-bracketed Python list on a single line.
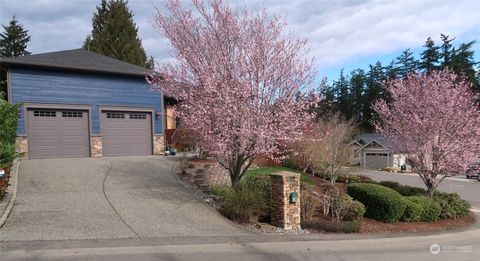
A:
[(374, 141), (78, 60), (368, 138)]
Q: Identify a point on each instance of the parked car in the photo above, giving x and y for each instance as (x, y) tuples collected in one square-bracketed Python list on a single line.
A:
[(473, 171)]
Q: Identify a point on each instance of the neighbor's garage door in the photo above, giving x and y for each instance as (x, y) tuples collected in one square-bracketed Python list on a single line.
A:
[(57, 133), (376, 160), (126, 133)]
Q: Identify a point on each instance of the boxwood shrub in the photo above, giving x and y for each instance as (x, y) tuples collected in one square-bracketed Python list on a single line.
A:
[(413, 211), (404, 190), (382, 203), (430, 209)]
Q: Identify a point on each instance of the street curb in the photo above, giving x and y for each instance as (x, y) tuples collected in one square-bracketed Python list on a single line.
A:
[(11, 201)]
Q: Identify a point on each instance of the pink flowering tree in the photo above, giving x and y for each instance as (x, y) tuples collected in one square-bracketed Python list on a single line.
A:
[(434, 120), (243, 84)]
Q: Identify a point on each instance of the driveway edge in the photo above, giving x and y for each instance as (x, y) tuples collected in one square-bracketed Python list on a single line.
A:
[(13, 197)]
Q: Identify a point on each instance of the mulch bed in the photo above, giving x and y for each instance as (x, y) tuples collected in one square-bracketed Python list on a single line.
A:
[(374, 226)]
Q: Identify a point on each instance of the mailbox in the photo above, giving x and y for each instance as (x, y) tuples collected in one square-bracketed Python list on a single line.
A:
[(293, 197)]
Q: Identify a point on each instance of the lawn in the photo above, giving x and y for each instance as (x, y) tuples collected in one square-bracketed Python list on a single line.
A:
[(267, 170)]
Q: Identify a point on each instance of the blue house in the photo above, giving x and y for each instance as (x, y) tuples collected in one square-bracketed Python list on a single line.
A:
[(77, 103)]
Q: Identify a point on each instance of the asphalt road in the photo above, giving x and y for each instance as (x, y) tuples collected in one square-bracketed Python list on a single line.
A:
[(468, 189), (456, 245)]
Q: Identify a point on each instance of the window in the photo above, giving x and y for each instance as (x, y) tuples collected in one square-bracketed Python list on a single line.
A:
[(115, 115), (138, 116), (44, 113), (72, 114)]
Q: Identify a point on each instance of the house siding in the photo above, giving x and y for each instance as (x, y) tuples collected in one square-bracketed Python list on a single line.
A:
[(49, 87)]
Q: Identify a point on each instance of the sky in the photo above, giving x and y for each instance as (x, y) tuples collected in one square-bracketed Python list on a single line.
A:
[(341, 34)]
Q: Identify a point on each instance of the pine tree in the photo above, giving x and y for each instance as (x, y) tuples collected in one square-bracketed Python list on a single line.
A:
[(430, 57), (462, 62), (405, 64), (14, 40), (375, 79), (115, 34), (344, 100), (446, 50), (357, 87)]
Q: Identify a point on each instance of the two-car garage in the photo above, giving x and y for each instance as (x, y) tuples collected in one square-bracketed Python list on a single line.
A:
[(58, 133)]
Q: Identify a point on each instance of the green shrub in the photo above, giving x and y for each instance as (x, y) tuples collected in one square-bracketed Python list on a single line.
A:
[(452, 205), (389, 184), (382, 203), (430, 209), (250, 196), (404, 190), (353, 179), (8, 128), (413, 211), (340, 227), (354, 211)]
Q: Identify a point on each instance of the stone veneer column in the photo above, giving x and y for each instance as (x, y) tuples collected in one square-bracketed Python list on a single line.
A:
[(285, 214), (158, 145), (96, 146), (22, 146)]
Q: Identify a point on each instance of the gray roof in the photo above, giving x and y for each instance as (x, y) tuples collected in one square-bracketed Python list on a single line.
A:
[(77, 59), (368, 137)]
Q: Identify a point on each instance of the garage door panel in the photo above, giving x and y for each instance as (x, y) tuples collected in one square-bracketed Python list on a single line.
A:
[(52, 135), (376, 160), (124, 135)]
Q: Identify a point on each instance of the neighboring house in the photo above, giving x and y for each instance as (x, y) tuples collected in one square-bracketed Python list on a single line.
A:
[(77, 103), (371, 151)]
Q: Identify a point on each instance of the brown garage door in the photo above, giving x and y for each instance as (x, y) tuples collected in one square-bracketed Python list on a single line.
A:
[(376, 160), (57, 133), (126, 133)]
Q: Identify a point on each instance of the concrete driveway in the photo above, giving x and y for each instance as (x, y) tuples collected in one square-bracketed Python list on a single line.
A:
[(122, 197)]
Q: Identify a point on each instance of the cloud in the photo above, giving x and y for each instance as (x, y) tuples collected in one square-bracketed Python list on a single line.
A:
[(338, 31)]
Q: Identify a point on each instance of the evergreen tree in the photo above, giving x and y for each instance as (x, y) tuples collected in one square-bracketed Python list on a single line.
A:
[(114, 33), (405, 64), (357, 87), (14, 40), (328, 102), (375, 79), (446, 50), (430, 57), (341, 87), (462, 62)]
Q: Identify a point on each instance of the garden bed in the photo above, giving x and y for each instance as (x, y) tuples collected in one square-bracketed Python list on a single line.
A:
[(373, 226), (256, 218)]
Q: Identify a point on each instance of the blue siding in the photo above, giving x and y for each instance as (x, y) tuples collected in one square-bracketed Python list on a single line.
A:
[(39, 86)]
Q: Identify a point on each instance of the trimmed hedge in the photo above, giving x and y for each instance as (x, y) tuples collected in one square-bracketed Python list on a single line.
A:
[(453, 206), (430, 209), (340, 227), (404, 190), (413, 211), (382, 203)]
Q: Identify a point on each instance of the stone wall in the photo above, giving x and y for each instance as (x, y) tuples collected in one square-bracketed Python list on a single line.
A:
[(205, 173), (158, 145), (96, 146), (285, 214), (22, 146)]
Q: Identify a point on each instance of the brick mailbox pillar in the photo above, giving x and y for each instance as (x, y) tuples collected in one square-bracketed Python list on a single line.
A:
[(285, 199)]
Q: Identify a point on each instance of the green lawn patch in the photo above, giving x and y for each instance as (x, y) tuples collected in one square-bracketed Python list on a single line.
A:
[(306, 178)]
